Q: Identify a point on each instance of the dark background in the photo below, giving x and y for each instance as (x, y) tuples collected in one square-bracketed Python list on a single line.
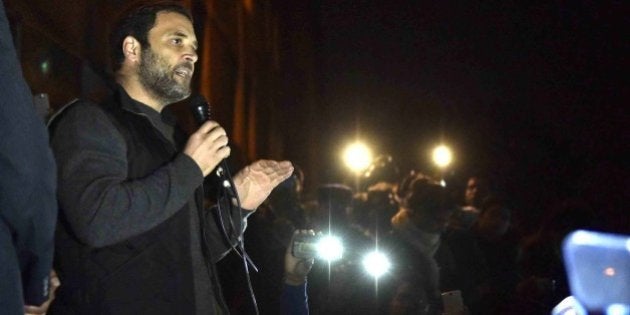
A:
[(531, 94)]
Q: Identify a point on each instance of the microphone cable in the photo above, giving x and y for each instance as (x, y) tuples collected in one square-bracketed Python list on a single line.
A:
[(230, 194), (201, 112)]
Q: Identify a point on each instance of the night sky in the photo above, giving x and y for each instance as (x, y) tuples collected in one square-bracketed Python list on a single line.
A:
[(533, 94)]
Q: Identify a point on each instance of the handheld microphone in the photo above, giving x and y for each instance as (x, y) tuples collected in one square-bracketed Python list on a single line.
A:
[(200, 109)]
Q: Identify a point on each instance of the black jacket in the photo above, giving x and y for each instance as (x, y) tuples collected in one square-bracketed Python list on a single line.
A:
[(28, 206), (126, 199)]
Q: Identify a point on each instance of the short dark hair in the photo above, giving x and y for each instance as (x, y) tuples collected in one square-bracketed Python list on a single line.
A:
[(137, 21), (428, 195), (334, 194)]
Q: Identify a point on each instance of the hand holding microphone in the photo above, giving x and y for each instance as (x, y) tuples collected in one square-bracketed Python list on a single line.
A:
[(208, 145)]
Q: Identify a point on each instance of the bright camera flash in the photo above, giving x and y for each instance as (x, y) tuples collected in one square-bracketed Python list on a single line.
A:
[(376, 264), (330, 248)]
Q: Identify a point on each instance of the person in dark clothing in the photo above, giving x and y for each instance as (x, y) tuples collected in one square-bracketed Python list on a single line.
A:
[(133, 236), (543, 282), (28, 206), (268, 235), (485, 256), (294, 299), (425, 265)]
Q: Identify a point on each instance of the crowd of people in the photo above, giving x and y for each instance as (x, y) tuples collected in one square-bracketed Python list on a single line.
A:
[(137, 231), (439, 239)]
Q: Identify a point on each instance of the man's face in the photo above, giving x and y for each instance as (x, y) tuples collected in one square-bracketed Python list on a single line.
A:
[(474, 192), (495, 221), (167, 66)]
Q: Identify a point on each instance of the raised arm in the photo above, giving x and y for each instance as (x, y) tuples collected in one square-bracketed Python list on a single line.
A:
[(101, 204)]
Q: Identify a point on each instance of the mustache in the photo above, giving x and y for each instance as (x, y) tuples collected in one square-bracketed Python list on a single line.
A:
[(186, 65)]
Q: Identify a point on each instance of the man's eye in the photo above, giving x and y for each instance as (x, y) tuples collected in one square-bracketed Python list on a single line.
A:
[(177, 41)]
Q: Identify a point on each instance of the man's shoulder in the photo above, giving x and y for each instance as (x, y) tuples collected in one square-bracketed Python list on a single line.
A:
[(76, 107), (81, 114)]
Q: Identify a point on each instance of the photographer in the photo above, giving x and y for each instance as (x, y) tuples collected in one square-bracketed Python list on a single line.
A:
[(294, 298)]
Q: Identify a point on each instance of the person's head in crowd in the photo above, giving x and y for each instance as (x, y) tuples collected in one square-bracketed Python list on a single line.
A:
[(402, 189), (334, 203), (381, 204), (494, 219), (374, 208), (153, 52), (476, 191), (428, 203), (382, 169)]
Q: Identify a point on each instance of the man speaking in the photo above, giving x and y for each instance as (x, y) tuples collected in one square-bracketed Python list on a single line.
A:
[(133, 235)]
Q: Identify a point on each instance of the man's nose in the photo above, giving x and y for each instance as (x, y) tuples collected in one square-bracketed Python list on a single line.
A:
[(191, 56)]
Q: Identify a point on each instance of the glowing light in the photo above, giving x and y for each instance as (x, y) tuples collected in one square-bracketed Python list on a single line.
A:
[(45, 67), (329, 248), (584, 238), (442, 156), (618, 309), (357, 157), (376, 264), (610, 272)]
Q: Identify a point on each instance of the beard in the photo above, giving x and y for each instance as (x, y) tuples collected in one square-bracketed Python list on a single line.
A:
[(158, 78)]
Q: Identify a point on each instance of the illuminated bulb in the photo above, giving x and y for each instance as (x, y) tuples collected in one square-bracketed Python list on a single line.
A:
[(376, 264), (330, 248), (357, 157), (442, 156)]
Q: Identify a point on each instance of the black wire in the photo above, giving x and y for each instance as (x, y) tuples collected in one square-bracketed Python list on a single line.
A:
[(231, 192)]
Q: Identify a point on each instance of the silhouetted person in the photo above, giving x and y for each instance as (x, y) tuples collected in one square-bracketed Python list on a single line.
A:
[(417, 246), (475, 192), (486, 259), (294, 298), (28, 206), (374, 209), (543, 278)]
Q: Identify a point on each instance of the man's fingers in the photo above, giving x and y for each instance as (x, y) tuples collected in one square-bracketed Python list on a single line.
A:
[(216, 133), (212, 133), (257, 180), (276, 171), (207, 126), (29, 309)]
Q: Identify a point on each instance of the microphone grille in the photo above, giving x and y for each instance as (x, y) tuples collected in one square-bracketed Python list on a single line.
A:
[(199, 108)]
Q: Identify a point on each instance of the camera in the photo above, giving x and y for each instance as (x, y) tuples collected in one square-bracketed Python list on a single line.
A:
[(305, 246)]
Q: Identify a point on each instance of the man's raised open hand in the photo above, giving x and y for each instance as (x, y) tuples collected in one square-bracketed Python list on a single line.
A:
[(255, 182)]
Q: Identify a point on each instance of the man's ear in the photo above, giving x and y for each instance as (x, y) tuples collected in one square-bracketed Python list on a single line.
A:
[(131, 49)]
